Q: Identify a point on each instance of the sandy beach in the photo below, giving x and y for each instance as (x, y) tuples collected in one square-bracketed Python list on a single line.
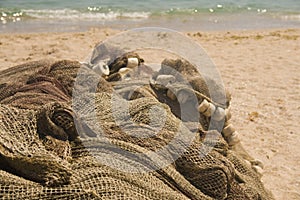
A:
[(260, 68)]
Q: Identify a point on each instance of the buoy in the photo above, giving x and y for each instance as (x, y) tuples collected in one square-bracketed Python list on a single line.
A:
[(171, 95), (257, 162), (227, 114), (226, 123), (228, 131), (132, 63), (165, 79), (124, 71), (210, 110), (203, 106), (120, 75), (219, 114), (101, 68), (258, 169), (233, 139)]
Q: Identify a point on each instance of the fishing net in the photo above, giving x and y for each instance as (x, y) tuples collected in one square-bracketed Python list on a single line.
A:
[(109, 143)]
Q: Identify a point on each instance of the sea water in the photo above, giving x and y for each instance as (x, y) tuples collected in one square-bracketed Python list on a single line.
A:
[(75, 15)]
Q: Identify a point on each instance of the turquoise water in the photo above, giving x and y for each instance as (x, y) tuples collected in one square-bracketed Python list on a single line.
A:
[(186, 14)]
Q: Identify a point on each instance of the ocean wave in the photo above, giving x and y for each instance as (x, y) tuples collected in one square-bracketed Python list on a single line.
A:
[(76, 14), (291, 17), (68, 14), (114, 13)]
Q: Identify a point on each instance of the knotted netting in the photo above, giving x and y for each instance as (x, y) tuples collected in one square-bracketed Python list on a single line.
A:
[(53, 148)]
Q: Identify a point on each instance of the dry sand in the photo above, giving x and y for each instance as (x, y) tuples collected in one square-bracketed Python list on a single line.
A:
[(260, 68)]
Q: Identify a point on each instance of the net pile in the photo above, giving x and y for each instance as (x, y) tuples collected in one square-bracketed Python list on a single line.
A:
[(52, 148)]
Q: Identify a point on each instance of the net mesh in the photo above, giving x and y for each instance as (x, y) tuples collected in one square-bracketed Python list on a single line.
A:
[(47, 150)]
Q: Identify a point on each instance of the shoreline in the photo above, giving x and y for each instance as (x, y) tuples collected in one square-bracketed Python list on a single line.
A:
[(259, 67), (185, 23)]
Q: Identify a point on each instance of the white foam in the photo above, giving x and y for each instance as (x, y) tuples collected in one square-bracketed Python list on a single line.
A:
[(291, 17), (76, 15), (138, 15)]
